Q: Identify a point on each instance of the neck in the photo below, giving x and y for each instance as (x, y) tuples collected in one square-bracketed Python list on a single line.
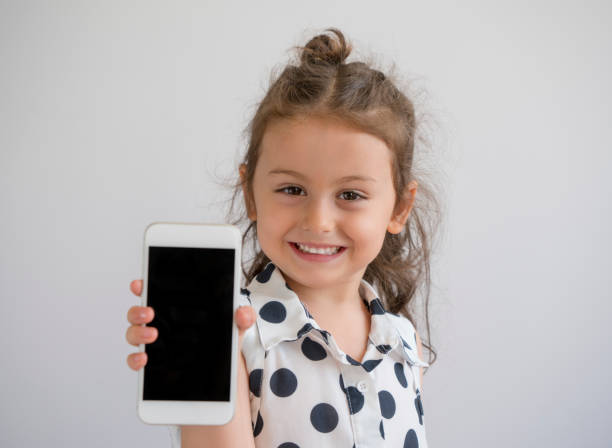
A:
[(338, 296)]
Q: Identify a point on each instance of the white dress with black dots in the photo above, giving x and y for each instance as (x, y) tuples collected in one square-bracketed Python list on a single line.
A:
[(306, 392)]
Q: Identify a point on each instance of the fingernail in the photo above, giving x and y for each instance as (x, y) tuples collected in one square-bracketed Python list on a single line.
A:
[(142, 315), (149, 332)]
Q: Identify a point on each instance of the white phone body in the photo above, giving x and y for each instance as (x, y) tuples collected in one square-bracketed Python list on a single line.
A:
[(191, 279)]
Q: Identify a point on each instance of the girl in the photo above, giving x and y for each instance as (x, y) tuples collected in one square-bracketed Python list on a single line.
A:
[(328, 188)]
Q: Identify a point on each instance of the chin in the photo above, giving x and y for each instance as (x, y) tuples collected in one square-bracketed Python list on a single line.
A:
[(318, 278)]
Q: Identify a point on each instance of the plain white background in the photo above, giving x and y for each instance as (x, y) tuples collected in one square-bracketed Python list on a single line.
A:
[(114, 114)]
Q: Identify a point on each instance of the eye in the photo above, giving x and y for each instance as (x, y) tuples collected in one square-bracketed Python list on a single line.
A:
[(350, 195), (291, 190)]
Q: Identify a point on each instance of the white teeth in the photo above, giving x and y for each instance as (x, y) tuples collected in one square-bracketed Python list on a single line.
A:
[(321, 251)]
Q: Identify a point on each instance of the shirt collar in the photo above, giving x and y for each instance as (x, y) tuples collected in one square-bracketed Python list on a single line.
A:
[(281, 316)]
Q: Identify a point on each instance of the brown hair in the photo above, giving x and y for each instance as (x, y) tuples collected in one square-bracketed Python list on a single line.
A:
[(324, 85)]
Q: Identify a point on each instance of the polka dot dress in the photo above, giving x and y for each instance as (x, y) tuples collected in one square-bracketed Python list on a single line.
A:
[(306, 392)]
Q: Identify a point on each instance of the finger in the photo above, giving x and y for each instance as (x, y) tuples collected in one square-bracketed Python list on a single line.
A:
[(245, 317), (140, 315), (136, 361), (137, 335), (136, 287)]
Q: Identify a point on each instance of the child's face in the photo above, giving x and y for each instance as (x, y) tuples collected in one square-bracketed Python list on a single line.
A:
[(327, 186)]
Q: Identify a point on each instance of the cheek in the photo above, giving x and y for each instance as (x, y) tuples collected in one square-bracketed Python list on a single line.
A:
[(272, 226), (368, 230)]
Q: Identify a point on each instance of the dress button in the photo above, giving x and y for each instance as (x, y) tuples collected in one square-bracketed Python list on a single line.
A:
[(362, 386)]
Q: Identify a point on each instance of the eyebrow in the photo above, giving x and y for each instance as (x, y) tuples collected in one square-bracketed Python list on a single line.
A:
[(342, 179)]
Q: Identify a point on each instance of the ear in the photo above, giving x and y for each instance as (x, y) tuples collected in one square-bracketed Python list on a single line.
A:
[(248, 203), (402, 210)]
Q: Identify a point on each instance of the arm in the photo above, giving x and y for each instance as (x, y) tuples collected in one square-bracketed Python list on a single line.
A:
[(420, 352), (237, 433)]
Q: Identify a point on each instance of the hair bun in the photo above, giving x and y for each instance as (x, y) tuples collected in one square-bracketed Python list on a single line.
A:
[(323, 49)]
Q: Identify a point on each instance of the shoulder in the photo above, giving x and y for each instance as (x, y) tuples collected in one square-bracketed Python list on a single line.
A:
[(410, 340), (405, 328)]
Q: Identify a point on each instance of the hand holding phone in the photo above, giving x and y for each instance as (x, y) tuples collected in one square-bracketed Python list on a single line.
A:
[(238, 431), (191, 280)]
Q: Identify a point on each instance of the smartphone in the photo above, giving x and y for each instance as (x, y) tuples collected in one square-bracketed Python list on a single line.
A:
[(191, 279)]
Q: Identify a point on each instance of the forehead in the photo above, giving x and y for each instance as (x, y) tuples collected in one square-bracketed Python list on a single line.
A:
[(318, 147)]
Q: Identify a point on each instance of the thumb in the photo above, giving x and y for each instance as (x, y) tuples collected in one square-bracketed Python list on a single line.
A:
[(245, 318)]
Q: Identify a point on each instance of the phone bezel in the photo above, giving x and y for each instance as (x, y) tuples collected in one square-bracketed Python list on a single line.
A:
[(216, 236)]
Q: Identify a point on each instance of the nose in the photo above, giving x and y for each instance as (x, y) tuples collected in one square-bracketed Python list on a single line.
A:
[(318, 216)]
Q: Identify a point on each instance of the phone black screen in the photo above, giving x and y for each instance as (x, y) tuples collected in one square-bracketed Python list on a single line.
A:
[(191, 292)]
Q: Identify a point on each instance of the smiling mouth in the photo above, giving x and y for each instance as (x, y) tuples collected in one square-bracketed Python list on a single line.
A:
[(327, 250)]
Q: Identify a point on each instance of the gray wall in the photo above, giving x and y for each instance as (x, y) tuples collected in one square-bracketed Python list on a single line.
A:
[(115, 114)]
